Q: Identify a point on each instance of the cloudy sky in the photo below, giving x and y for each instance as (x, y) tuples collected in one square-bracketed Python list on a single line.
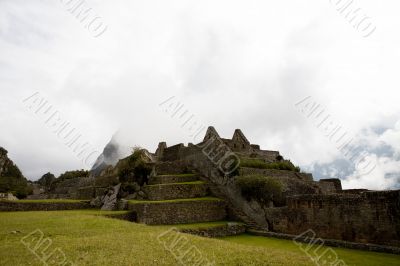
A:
[(106, 67)]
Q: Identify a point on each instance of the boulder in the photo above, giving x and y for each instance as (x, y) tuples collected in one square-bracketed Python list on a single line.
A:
[(132, 196), (111, 199), (96, 202)]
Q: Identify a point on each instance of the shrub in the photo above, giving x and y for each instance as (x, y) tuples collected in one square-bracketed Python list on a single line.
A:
[(134, 168), (260, 188), (73, 174), (17, 186), (46, 180)]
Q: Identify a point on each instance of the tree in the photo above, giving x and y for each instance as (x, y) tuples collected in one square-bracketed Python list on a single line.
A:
[(46, 180)]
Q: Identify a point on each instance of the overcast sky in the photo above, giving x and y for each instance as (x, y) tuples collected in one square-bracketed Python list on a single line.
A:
[(233, 64)]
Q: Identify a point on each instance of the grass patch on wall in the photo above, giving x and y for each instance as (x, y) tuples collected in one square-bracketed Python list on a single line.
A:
[(260, 188), (260, 164)]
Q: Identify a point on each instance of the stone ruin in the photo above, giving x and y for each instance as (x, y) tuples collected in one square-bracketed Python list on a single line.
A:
[(7, 196), (196, 183)]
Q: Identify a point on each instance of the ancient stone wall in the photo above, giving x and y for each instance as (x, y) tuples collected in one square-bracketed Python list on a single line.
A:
[(217, 231), (180, 178), (175, 167), (372, 217), (268, 156), (178, 212), (175, 191), (43, 206), (173, 153), (86, 193), (329, 186)]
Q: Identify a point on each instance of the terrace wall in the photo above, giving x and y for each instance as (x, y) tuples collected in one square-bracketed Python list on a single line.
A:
[(43, 206)]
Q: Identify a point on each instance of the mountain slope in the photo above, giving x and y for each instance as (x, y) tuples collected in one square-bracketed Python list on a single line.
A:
[(11, 178)]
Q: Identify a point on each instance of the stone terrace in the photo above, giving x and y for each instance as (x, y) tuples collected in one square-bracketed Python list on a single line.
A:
[(183, 201)]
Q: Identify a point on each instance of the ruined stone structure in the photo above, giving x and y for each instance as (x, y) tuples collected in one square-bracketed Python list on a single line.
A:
[(353, 215), (197, 183), (7, 196)]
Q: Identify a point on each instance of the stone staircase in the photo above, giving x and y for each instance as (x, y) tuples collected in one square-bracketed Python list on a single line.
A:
[(183, 201)]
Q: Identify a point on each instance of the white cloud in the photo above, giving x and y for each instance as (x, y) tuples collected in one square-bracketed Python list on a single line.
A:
[(235, 64)]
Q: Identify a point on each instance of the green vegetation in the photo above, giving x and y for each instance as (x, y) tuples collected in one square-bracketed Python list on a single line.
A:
[(18, 186), (134, 168), (46, 180), (86, 237), (73, 174), (173, 200), (11, 178), (260, 188), (65, 176), (258, 163), (180, 175), (201, 225), (349, 256)]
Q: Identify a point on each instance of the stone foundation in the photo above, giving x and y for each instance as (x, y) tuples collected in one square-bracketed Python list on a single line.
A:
[(167, 179), (175, 191), (367, 217), (43, 206), (229, 229), (196, 211)]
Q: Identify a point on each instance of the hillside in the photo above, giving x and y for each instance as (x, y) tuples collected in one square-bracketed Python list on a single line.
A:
[(11, 178)]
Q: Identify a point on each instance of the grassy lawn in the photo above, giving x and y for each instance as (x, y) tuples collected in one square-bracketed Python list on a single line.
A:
[(200, 225), (179, 175), (88, 238), (349, 256)]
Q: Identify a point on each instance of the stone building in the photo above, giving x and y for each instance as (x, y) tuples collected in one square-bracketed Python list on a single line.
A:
[(7, 196), (198, 183), (356, 215)]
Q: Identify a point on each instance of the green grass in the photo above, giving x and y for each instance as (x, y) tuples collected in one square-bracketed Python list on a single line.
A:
[(50, 201), (180, 175), (86, 237), (260, 164), (173, 200), (180, 183), (349, 256)]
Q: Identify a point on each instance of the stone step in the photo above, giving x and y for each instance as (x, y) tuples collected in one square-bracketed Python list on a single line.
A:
[(213, 229), (167, 179), (180, 211), (169, 191)]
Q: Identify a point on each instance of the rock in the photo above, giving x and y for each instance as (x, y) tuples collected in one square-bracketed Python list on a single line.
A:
[(142, 194), (136, 187), (111, 198), (96, 202), (122, 205), (124, 194), (132, 196)]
